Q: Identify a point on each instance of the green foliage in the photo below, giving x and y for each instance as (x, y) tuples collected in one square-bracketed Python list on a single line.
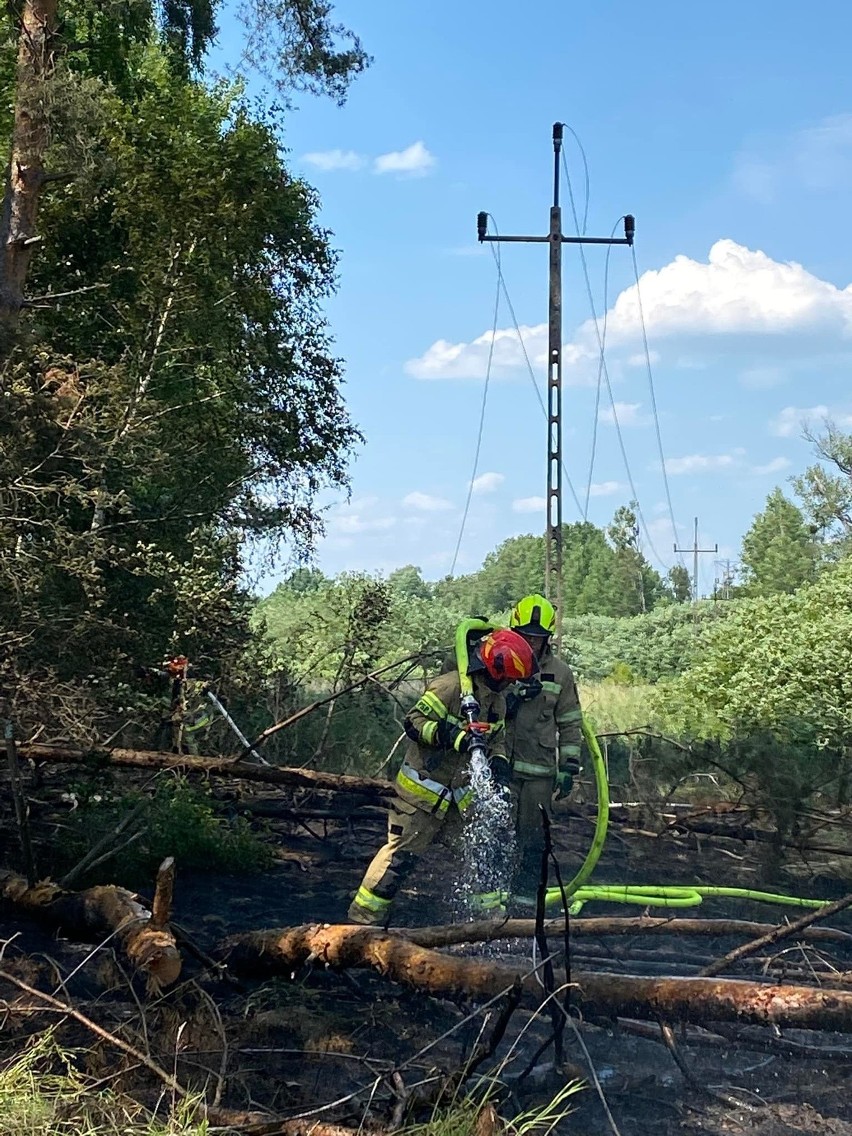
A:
[(182, 820), (679, 583), (621, 675), (468, 1115), (615, 707), (195, 405), (781, 665), (826, 489), (779, 553), (654, 646), (598, 576)]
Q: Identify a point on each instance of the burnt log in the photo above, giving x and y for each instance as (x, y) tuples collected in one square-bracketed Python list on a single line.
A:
[(209, 766), (486, 931), (96, 914), (287, 949)]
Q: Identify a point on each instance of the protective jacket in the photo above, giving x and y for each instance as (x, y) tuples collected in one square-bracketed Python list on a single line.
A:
[(434, 773), (547, 727)]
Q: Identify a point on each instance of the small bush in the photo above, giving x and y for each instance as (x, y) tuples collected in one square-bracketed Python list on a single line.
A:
[(182, 820)]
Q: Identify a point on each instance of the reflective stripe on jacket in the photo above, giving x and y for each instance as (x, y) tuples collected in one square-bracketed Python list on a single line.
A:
[(433, 776), (548, 725)]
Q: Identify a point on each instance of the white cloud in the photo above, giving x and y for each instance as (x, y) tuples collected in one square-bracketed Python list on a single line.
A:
[(818, 158), (415, 161), (357, 523), (426, 502), (700, 463), (738, 299), (529, 505), (487, 482), (627, 414), (335, 160), (737, 291), (605, 488), (469, 360), (792, 419), (773, 466)]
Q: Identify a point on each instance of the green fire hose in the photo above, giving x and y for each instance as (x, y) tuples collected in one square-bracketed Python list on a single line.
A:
[(578, 892), (645, 895)]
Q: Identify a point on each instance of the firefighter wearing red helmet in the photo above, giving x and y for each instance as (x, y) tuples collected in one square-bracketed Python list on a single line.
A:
[(432, 788)]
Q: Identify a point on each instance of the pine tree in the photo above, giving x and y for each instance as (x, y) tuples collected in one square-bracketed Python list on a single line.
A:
[(778, 550)]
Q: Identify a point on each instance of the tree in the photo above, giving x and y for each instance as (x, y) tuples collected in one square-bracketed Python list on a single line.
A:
[(294, 41), (680, 583), (195, 406), (641, 585), (778, 550), (827, 492), (408, 583)]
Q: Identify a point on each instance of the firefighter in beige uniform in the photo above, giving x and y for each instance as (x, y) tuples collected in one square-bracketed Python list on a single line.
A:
[(543, 738), (432, 786)]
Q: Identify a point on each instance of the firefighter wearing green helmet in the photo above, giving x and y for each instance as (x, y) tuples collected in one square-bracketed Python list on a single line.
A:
[(543, 739)]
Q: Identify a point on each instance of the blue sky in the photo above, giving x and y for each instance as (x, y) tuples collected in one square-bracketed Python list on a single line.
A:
[(727, 131)]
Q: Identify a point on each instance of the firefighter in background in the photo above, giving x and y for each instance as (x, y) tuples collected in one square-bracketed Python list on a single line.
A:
[(543, 739), (189, 711), (432, 788)]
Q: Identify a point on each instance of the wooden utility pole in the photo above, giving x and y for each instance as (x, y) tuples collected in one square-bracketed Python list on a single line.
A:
[(696, 552), (555, 239)]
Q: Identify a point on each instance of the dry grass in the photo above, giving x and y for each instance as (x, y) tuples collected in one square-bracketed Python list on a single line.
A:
[(43, 1094)]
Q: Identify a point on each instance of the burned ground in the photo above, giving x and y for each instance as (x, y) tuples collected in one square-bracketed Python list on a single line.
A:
[(292, 1044)]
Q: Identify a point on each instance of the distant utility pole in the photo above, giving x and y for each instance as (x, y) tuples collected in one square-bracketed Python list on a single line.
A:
[(696, 552), (725, 582), (556, 239)]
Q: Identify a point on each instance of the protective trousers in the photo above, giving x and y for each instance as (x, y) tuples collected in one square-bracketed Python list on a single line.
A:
[(410, 832), (529, 797)]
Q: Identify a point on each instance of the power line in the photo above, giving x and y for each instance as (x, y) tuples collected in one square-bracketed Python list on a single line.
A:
[(622, 447), (587, 186), (654, 401), (580, 232), (481, 415), (530, 368), (601, 363)]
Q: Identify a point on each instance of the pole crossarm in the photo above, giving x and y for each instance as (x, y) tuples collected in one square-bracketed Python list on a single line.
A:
[(565, 240), (696, 552), (555, 239)]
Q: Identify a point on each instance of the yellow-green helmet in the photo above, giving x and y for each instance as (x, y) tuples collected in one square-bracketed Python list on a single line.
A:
[(533, 615)]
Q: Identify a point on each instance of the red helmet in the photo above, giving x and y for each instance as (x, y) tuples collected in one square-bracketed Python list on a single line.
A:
[(507, 656)]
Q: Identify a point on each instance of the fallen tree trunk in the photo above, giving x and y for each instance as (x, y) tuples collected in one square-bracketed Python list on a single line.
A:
[(286, 949), (100, 913), (215, 766), (486, 931)]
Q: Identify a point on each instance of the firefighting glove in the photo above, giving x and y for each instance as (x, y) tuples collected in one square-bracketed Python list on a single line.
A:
[(446, 734), (564, 784), (501, 772)]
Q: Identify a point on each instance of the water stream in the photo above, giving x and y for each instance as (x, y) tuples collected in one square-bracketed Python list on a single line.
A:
[(488, 840)]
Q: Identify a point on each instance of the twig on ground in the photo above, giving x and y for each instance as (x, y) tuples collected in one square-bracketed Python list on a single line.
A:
[(62, 1007), (724, 1098), (784, 931)]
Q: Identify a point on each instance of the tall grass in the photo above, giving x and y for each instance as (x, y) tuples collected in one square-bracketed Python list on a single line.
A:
[(42, 1093)]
